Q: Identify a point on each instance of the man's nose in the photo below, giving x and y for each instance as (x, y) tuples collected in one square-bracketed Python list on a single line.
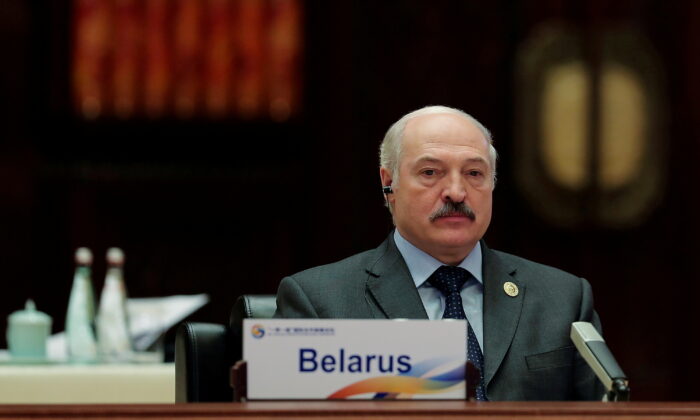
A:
[(455, 189)]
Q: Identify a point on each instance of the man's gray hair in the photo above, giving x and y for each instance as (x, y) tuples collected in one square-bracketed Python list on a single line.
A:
[(390, 149)]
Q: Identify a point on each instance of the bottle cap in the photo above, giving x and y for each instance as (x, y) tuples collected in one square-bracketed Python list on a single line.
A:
[(115, 256), (83, 256)]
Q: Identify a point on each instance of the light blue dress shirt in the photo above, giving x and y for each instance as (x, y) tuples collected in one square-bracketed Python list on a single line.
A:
[(422, 265)]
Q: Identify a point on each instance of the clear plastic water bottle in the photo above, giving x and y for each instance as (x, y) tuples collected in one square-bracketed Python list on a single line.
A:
[(113, 340), (80, 327)]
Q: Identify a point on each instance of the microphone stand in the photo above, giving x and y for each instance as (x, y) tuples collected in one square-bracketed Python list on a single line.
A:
[(620, 390)]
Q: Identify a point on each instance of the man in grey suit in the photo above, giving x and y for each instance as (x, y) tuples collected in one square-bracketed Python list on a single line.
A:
[(438, 172)]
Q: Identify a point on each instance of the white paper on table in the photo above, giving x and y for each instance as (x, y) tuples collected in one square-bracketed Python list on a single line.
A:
[(149, 318)]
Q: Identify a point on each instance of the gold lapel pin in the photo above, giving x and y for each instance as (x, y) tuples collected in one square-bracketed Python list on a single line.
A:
[(510, 288)]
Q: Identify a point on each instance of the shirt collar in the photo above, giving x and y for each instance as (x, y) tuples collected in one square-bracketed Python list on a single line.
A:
[(421, 265)]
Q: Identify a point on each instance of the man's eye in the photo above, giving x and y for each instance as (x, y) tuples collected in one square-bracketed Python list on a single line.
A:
[(429, 172), (475, 173)]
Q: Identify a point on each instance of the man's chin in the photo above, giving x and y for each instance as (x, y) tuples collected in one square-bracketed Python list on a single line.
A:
[(456, 239)]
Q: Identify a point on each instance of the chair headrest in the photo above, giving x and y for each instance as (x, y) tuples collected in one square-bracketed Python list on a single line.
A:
[(251, 306)]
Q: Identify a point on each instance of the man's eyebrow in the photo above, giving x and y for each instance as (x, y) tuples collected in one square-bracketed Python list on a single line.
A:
[(478, 159), (432, 159), (429, 159)]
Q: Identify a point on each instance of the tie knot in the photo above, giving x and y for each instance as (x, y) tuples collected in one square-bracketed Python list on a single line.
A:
[(449, 279)]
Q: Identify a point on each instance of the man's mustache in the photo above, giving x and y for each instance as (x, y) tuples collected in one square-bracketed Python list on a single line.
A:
[(450, 208)]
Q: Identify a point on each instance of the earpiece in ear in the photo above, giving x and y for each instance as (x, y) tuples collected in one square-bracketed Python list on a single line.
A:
[(387, 189)]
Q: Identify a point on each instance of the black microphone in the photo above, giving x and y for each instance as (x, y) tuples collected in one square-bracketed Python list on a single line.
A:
[(596, 353)]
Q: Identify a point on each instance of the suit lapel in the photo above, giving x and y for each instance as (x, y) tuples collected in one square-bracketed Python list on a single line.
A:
[(501, 312), (390, 284)]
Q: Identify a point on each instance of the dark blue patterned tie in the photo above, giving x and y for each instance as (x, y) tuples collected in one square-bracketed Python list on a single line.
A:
[(449, 280)]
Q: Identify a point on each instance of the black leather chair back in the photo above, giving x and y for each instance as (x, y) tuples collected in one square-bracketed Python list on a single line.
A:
[(248, 306), (204, 353)]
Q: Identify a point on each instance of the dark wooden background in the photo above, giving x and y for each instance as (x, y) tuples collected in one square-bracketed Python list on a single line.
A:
[(229, 207)]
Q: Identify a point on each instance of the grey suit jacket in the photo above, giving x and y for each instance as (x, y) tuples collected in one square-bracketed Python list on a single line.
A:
[(527, 351)]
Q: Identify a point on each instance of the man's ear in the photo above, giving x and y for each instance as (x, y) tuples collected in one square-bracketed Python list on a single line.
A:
[(387, 179), (385, 176)]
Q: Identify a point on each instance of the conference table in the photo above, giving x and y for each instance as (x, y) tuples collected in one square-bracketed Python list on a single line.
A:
[(386, 410), (85, 384), (147, 391)]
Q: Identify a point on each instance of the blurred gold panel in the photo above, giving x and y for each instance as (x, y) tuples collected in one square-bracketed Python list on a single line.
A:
[(590, 146), (565, 123), (623, 126)]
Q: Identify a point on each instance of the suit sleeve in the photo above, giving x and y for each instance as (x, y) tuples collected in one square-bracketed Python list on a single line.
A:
[(292, 301), (586, 383)]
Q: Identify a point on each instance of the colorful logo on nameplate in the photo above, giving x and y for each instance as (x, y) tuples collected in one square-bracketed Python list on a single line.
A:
[(258, 331), (428, 377)]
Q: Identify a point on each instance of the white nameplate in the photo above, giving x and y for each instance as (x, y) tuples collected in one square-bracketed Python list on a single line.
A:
[(355, 359)]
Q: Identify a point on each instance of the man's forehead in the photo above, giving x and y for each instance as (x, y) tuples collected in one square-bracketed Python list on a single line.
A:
[(455, 137), (442, 128)]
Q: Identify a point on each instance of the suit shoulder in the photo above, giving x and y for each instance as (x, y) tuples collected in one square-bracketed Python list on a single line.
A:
[(336, 290), (343, 268), (528, 268)]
